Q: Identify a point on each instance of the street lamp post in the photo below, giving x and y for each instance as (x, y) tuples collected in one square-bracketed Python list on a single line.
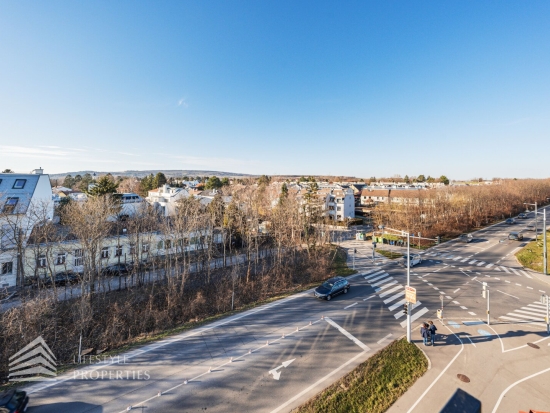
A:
[(408, 305), (544, 247)]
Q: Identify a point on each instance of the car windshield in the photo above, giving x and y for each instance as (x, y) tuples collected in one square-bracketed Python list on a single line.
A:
[(328, 284)]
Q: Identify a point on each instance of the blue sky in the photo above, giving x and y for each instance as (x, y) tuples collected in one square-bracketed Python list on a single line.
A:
[(339, 88)]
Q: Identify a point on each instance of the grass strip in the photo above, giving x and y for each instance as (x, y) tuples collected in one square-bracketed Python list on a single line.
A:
[(389, 254), (375, 384), (530, 256)]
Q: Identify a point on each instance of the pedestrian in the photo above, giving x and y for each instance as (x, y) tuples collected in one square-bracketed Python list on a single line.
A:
[(432, 329), (424, 333)]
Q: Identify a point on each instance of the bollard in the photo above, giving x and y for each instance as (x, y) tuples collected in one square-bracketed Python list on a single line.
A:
[(159, 394), (231, 360), (185, 382), (267, 343)]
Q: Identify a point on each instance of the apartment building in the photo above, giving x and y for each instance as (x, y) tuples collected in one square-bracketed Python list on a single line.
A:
[(25, 201)]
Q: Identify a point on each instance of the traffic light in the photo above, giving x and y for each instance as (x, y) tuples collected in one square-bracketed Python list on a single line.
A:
[(437, 239), (406, 308)]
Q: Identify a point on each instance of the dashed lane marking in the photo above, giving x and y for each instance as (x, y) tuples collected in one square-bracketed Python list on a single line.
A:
[(351, 305)]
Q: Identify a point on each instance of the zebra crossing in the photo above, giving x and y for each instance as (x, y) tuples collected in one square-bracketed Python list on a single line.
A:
[(477, 263), (393, 294), (534, 312)]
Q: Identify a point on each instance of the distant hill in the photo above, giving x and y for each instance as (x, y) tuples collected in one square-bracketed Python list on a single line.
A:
[(176, 173)]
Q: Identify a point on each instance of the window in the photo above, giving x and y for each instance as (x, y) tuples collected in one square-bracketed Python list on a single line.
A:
[(78, 253), (10, 204), (78, 261), (19, 183), (60, 260), (7, 268), (144, 248), (168, 244), (105, 252), (41, 261), (160, 245), (132, 249), (118, 251)]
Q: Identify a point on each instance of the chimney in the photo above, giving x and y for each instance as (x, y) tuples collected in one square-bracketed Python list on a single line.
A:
[(38, 171)]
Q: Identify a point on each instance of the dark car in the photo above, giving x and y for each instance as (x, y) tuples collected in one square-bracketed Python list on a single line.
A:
[(465, 238), (116, 269), (61, 278), (13, 401), (332, 287), (510, 221), (515, 236)]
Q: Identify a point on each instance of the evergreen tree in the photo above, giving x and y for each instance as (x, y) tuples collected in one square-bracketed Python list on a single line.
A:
[(444, 179), (213, 183), (105, 185), (159, 180), (68, 182)]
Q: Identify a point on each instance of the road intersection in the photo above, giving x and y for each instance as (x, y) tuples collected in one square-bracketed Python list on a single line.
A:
[(276, 356)]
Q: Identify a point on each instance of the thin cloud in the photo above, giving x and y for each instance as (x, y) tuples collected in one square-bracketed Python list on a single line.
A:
[(33, 152), (183, 103)]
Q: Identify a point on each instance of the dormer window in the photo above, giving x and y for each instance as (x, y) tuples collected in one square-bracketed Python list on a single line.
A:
[(10, 205), (19, 183)]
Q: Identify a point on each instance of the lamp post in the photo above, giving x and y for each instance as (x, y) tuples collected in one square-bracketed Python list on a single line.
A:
[(536, 226), (408, 306), (544, 247)]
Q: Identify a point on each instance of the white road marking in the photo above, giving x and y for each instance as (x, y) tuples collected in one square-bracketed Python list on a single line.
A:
[(508, 294), (529, 288), (456, 302), (276, 373), (430, 284), (351, 305), (497, 278), (506, 281), (518, 284), (440, 374), (454, 292), (456, 258), (468, 337), (397, 304), (514, 384), (471, 262), (386, 286), (394, 297), (385, 338), (498, 269), (348, 335), (514, 271), (526, 274), (381, 282), (415, 316), (481, 263), (448, 297), (391, 290), (368, 298), (505, 269), (377, 277), (471, 313), (465, 259), (510, 318), (305, 391), (490, 265), (463, 307)]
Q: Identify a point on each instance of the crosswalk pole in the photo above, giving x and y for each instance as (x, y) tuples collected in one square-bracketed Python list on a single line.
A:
[(544, 250), (488, 308)]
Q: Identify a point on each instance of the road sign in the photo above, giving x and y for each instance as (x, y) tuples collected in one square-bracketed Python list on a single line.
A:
[(410, 294)]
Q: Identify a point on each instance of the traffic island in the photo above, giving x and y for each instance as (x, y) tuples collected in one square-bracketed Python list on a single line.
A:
[(375, 384)]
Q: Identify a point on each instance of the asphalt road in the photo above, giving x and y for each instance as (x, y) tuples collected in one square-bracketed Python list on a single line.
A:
[(274, 357)]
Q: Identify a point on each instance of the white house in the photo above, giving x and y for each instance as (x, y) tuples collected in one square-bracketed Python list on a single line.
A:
[(340, 204), (25, 201), (166, 198)]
